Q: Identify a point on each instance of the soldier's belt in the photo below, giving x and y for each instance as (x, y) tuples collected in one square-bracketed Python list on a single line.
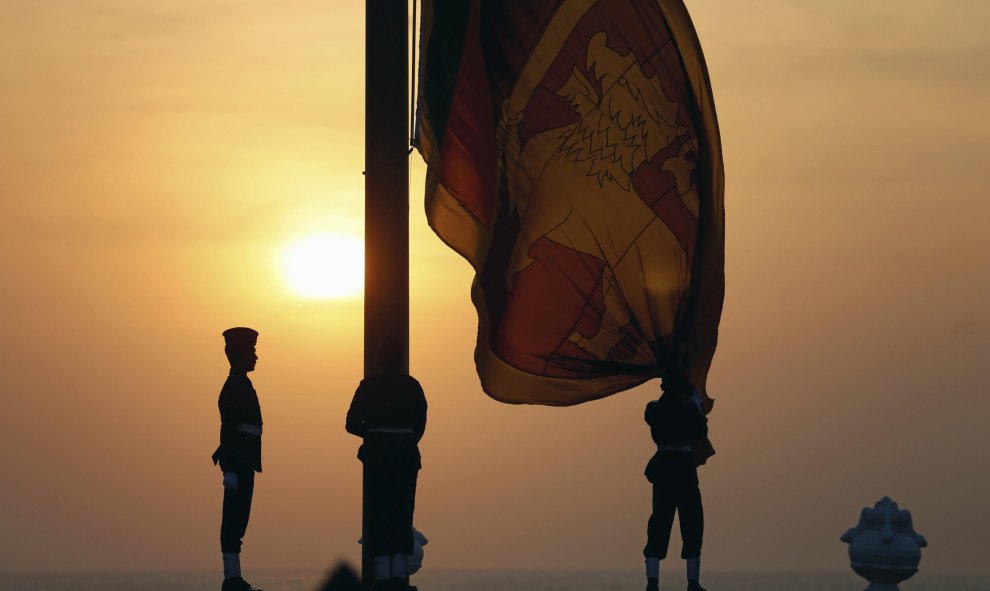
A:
[(249, 429)]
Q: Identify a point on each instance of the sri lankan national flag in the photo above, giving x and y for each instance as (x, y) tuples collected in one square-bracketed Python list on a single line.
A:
[(574, 159)]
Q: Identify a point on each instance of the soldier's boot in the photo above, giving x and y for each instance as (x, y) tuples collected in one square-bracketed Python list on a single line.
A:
[(694, 573), (237, 584), (652, 573)]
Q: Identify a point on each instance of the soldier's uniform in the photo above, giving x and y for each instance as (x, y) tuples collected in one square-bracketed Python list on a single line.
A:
[(677, 423), (239, 452), (389, 413)]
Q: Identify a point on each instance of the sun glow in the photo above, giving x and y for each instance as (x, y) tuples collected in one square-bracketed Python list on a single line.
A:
[(325, 266)]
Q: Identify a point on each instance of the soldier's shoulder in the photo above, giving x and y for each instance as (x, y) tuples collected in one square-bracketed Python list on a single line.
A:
[(235, 384), (410, 381)]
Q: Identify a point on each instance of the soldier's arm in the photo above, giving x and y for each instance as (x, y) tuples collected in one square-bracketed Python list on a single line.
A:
[(419, 409), (649, 415), (701, 423), (232, 413), (356, 422)]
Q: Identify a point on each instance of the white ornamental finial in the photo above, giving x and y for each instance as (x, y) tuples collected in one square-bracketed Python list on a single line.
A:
[(884, 549)]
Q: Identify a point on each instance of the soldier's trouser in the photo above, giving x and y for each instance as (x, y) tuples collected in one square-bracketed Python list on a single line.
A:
[(390, 491), (675, 488), (236, 512)]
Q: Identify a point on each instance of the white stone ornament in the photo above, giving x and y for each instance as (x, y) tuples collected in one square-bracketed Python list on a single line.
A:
[(884, 549)]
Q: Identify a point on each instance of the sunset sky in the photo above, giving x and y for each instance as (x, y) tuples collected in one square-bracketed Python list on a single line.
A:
[(157, 158)]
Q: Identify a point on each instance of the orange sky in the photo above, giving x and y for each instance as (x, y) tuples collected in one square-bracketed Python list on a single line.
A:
[(155, 157)]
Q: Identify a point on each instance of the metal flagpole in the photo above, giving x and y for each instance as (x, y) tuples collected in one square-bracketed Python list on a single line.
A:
[(386, 210)]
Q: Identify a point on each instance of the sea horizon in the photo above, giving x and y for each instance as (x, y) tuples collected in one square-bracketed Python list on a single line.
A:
[(488, 580)]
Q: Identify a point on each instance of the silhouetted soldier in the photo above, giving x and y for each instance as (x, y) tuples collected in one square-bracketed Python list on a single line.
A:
[(389, 412), (239, 454), (676, 425)]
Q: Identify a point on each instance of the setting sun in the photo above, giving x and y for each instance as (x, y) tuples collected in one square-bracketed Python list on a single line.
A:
[(323, 266)]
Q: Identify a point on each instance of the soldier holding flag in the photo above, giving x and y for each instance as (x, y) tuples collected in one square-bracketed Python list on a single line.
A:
[(677, 425)]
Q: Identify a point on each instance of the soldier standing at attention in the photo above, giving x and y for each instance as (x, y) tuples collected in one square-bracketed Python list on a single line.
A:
[(388, 412), (677, 424), (239, 454)]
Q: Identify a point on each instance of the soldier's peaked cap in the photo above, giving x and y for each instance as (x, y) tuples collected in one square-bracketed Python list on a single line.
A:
[(240, 336)]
